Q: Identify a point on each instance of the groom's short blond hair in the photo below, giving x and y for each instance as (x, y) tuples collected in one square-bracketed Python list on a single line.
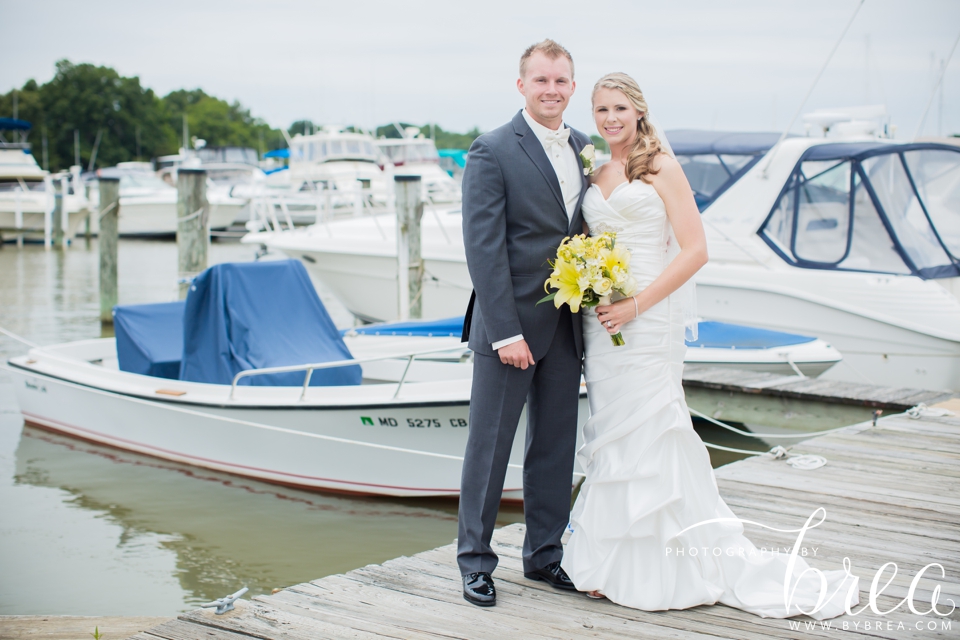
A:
[(549, 48)]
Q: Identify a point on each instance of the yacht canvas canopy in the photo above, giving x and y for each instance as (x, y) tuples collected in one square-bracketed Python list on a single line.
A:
[(714, 160), (14, 124), (871, 206)]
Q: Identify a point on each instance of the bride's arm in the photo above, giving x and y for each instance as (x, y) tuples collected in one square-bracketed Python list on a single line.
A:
[(672, 186)]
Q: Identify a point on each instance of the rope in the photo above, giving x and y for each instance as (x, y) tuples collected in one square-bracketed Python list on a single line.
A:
[(923, 411), (449, 283), (191, 216), (108, 209), (20, 339), (764, 435)]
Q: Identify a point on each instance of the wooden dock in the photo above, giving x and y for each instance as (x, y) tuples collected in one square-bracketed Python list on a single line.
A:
[(792, 402), (892, 494)]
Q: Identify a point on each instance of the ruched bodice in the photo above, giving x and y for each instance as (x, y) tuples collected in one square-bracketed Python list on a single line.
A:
[(637, 214), (648, 474)]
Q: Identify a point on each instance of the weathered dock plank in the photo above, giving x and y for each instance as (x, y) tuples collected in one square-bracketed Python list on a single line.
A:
[(891, 494), (810, 389)]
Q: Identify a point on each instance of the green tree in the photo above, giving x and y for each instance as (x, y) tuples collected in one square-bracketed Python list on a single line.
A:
[(600, 144), (218, 122), (92, 100)]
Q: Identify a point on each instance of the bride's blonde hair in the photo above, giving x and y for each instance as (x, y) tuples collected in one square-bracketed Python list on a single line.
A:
[(646, 145)]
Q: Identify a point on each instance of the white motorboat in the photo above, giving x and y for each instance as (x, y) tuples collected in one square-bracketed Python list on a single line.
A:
[(162, 387), (27, 192), (880, 284), (853, 239), (718, 345), (234, 176), (330, 172), (148, 204), (357, 258), (413, 154)]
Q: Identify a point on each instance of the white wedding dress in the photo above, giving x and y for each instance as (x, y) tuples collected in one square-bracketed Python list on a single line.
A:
[(648, 474)]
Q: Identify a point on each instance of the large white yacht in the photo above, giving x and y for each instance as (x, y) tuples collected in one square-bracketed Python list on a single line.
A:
[(849, 236), (332, 171), (413, 154), (27, 192)]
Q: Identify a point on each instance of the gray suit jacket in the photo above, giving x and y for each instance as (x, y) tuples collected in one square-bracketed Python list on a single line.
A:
[(514, 218)]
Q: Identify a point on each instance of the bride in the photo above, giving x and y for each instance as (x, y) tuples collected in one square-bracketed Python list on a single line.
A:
[(648, 475)]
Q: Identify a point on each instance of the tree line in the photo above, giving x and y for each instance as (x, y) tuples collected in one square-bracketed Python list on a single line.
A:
[(123, 120)]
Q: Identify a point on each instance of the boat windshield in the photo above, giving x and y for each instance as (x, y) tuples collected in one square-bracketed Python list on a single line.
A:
[(325, 150), (233, 175), (242, 155), (714, 160), (141, 180), (8, 185), (409, 152), (871, 207)]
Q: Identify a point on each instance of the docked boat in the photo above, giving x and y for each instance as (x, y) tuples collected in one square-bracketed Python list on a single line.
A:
[(331, 172), (854, 240), (413, 154), (234, 176), (219, 381), (148, 204), (27, 192), (851, 237), (718, 345)]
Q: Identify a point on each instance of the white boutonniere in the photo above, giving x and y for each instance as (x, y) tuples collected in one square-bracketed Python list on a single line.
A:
[(589, 159)]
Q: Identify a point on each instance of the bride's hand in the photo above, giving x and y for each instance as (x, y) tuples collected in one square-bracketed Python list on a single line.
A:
[(614, 316)]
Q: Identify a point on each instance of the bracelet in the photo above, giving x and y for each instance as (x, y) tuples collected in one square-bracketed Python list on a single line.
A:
[(636, 306)]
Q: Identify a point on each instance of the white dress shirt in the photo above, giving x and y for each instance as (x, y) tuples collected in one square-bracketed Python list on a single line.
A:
[(569, 173)]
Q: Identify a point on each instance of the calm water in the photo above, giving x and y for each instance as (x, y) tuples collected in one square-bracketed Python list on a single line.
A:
[(90, 530)]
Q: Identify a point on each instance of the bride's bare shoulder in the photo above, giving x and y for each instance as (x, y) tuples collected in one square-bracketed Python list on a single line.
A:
[(666, 162), (669, 173)]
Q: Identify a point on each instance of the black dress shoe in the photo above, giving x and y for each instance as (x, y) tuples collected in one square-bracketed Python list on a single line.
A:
[(553, 574), (478, 589)]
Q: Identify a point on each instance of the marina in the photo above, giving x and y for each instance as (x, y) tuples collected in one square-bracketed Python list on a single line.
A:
[(909, 499), (237, 399)]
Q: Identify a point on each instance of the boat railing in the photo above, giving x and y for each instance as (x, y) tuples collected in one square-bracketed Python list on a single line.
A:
[(308, 369)]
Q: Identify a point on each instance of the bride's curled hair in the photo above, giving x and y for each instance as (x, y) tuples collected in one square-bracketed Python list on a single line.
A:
[(646, 145)]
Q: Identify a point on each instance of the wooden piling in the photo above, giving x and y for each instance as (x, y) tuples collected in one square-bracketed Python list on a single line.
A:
[(108, 214), (59, 211), (193, 226), (409, 262)]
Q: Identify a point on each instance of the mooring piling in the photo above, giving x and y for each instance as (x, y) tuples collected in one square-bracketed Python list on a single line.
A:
[(409, 261), (108, 215), (193, 226)]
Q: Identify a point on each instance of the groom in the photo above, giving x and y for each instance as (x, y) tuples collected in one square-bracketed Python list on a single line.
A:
[(522, 189)]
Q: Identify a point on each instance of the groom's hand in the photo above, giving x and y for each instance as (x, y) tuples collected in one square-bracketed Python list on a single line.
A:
[(516, 354)]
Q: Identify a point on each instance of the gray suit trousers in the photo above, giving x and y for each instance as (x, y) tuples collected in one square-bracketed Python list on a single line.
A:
[(551, 390)]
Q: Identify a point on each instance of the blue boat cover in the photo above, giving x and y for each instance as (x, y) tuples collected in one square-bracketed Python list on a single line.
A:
[(253, 315), (15, 124), (714, 335), (428, 328), (721, 335), (150, 338)]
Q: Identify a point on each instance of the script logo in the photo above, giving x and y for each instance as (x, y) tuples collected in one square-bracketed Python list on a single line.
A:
[(852, 596)]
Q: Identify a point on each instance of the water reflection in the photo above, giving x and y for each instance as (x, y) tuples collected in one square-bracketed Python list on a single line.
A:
[(226, 531)]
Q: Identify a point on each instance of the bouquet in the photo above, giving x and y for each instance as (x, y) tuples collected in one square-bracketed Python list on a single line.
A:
[(587, 271)]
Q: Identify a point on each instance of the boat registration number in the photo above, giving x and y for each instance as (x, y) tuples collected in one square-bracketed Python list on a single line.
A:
[(416, 423)]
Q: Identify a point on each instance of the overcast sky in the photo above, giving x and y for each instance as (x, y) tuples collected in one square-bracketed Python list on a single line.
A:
[(730, 65)]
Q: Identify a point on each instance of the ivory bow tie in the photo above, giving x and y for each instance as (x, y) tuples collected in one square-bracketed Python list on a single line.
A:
[(558, 138)]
